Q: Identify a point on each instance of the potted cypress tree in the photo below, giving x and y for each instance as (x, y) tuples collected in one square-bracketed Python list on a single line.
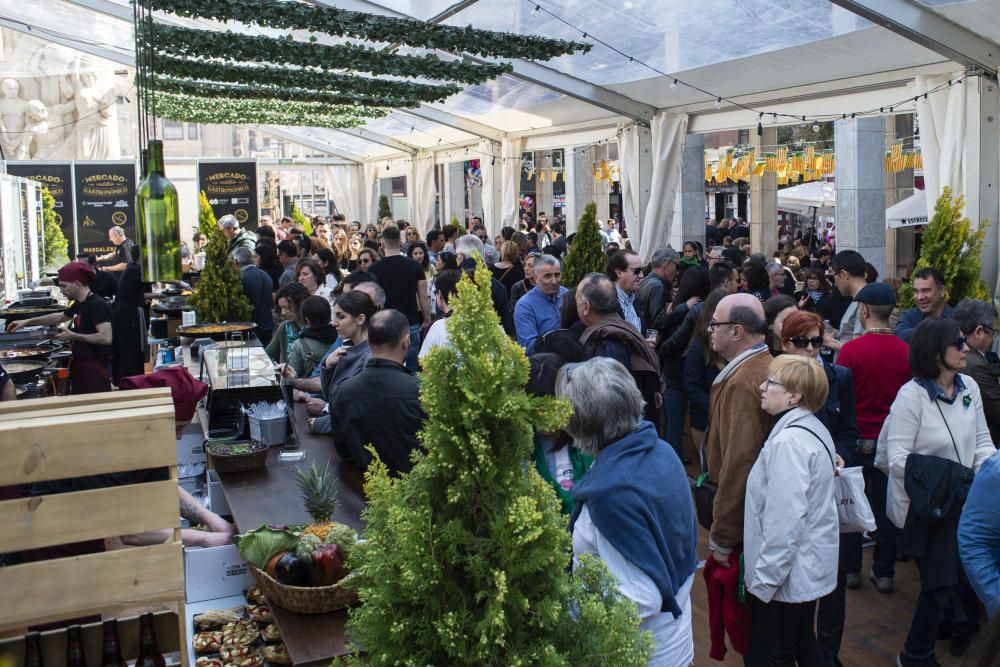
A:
[(219, 295), (586, 255), (466, 559), (55, 252)]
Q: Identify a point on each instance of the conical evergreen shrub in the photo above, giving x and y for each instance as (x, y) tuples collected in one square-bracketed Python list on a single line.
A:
[(950, 246), (384, 210), (465, 559), (219, 293), (301, 220), (587, 252), (56, 250)]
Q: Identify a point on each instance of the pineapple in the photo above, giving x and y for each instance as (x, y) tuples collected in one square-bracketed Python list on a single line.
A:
[(319, 497)]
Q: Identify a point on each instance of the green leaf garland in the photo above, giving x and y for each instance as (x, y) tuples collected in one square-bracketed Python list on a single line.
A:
[(379, 91), (225, 111), (374, 28), (203, 44), (235, 91)]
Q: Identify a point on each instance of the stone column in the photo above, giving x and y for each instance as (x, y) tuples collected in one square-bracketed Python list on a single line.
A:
[(898, 242), (860, 180), (454, 192), (543, 189), (982, 157), (579, 184), (764, 198), (689, 225)]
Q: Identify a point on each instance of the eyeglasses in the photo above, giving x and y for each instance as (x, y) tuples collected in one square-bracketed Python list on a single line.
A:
[(960, 342), (802, 342), (713, 324), (768, 382), (988, 329)]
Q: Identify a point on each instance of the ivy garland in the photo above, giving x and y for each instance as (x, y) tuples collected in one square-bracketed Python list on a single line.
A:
[(240, 92), (378, 91), (374, 28), (203, 44), (227, 111)]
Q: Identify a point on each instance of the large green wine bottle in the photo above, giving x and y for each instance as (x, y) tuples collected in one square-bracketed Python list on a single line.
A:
[(158, 221)]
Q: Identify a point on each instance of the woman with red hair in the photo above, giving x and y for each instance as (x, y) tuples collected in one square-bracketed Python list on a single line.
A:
[(802, 335)]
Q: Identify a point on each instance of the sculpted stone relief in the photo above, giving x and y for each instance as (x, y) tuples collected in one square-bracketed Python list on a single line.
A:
[(58, 107)]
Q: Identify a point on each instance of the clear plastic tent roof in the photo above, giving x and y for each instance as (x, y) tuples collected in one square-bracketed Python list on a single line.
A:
[(729, 47)]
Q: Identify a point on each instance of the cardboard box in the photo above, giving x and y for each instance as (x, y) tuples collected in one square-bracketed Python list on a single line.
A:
[(215, 572), (191, 446), (216, 497)]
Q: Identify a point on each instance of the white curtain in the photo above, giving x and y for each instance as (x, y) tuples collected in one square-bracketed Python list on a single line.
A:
[(628, 161), (369, 186), (492, 186), (343, 183), (511, 182), (942, 136), (422, 192), (669, 132)]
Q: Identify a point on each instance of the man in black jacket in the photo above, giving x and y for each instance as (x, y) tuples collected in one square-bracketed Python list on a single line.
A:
[(469, 247), (259, 289), (360, 404)]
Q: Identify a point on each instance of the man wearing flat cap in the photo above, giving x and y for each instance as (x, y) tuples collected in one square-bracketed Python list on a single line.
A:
[(90, 331), (878, 360)]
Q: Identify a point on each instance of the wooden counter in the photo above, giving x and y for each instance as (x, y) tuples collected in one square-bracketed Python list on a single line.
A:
[(270, 495)]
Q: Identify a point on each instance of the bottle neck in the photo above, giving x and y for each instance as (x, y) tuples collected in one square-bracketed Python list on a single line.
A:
[(154, 163)]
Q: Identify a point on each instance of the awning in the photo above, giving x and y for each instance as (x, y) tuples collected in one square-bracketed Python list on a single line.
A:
[(907, 213), (804, 199)]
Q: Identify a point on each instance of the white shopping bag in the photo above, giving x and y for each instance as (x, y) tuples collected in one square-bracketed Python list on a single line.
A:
[(853, 510)]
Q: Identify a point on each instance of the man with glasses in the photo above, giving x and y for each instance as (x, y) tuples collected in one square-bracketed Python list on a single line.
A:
[(737, 426), (848, 268), (879, 364), (625, 271), (978, 321)]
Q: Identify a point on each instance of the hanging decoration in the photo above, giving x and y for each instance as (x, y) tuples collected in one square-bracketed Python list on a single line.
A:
[(898, 159), (373, 28), (234, 77), (791, 165)]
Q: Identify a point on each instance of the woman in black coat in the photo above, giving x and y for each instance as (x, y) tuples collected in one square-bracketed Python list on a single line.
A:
[(129, 347)]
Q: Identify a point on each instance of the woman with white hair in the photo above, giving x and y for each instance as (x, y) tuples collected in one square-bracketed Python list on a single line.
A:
[(633, 508)]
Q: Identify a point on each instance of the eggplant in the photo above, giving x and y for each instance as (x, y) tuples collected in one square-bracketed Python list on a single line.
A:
[(291, 570)]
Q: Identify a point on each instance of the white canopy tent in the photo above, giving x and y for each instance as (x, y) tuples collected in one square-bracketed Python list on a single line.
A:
[(908, 212), (818, 196), (798, 57)]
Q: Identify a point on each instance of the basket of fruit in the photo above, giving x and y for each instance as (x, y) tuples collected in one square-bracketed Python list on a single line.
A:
[(236, 455), (304, 568)]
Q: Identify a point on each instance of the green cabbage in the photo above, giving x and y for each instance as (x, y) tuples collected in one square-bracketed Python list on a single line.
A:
[(258, 546)]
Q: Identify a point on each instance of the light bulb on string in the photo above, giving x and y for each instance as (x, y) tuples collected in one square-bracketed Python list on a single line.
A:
[(534, 12), (718, 102), (815, 127), (673, 86)]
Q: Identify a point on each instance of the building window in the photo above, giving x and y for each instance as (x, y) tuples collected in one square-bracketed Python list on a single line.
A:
[(173, 129), (193, 131), (399, 186)]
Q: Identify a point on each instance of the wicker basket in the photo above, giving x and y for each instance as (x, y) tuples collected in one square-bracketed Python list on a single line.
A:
[(303, 599), (240, 462)]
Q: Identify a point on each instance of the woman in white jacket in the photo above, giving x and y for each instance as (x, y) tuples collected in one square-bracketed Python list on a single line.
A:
[(790, 527), (937, 413)]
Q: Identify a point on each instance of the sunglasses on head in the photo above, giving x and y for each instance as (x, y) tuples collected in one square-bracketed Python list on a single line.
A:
[(802, 342)]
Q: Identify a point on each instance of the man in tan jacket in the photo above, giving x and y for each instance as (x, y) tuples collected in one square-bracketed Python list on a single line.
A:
[(737, 426)]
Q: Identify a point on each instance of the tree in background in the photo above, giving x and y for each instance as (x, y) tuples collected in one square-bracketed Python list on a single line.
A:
[(384, 210), (586, 255), (56, 251), (465, 559), (301, 221), (950, 246), (219, 296)]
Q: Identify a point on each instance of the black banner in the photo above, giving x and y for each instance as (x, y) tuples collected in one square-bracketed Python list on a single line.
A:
[(105, 197), (58, 178), (231, 189)]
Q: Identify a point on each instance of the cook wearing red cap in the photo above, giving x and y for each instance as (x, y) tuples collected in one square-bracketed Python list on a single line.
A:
[(89, 334)]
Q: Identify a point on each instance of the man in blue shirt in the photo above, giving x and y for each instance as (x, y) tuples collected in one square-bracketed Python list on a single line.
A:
[(928, 293), (538, 312), (979, 535)]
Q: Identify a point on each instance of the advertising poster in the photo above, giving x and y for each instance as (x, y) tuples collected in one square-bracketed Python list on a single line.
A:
[(231, 189), (58, 178), (105, 197)]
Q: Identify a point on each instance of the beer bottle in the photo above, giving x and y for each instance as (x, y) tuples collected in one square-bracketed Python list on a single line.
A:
[(74, 648), (33, 650), (112, 656), (149, 654)]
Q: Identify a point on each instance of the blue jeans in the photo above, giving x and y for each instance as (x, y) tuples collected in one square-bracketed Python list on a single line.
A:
[(675, 405), (412, 361)]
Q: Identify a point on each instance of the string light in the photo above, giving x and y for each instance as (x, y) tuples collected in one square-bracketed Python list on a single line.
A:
[(534, 12), (673, 86), (718, 102)]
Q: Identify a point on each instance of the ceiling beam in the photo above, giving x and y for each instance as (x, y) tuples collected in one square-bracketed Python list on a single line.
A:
[(928, 29), (376, 138), (123, 12), (303, 138), (455, 122), (532, 72)]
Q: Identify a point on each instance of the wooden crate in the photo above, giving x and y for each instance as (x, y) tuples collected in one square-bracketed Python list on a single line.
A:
[(74, 436)]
